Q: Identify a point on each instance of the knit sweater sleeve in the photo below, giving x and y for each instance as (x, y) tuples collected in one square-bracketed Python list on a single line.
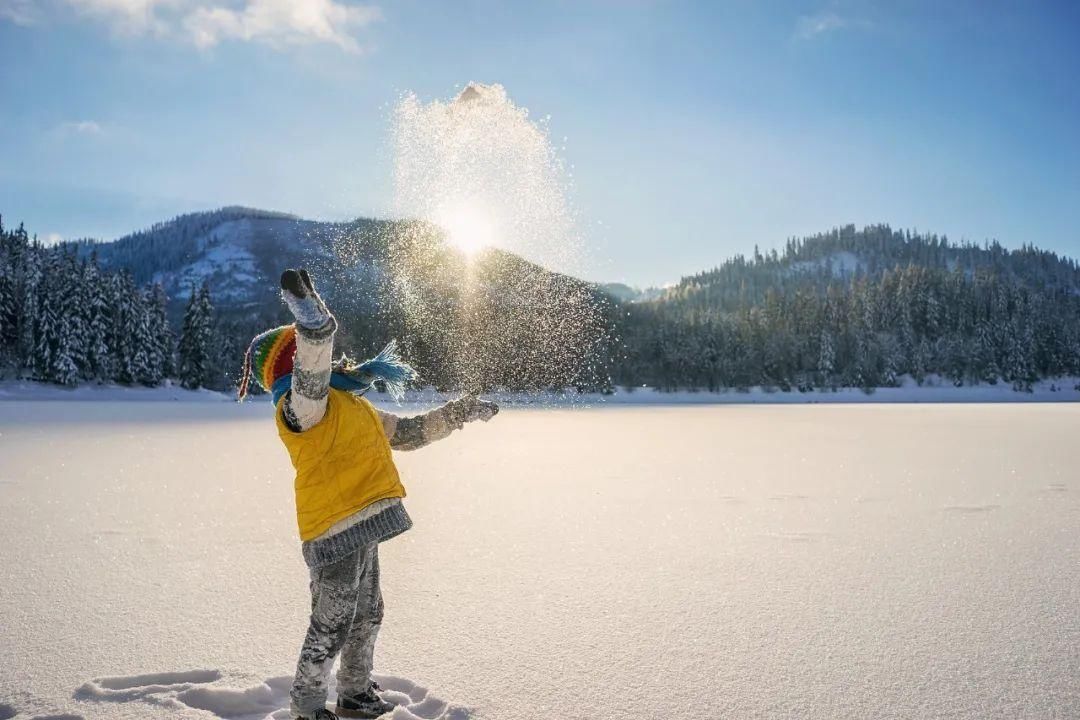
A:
[(412, 433), (305, 403)]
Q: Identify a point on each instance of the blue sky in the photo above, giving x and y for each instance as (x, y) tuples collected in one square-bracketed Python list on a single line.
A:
[(696, 130)]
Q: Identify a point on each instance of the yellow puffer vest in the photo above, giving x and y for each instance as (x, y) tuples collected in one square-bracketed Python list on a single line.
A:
[(343, 464)]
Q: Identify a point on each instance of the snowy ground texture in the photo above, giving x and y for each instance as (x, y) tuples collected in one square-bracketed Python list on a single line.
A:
[(933, 390), (621, 562), (29, 390)]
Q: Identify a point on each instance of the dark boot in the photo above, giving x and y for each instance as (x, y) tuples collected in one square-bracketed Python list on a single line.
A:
[(366, 705), (319, 715)]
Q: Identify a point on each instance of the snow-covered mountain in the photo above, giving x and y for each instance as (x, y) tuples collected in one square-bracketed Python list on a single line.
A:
[(240, 251), (227, 258)]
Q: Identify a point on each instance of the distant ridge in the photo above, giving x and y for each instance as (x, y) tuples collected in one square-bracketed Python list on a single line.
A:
[(844, 308), (860, 308)]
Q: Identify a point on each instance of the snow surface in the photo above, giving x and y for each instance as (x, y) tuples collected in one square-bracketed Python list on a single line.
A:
[(677, 562), (933, 390), (29, 390)]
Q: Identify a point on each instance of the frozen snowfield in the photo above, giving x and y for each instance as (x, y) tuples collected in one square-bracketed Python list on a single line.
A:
[(934, 389), (684, 563)]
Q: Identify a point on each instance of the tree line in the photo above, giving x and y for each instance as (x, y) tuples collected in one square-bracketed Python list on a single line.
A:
[(63, 319), (860, 308), (848, 308)]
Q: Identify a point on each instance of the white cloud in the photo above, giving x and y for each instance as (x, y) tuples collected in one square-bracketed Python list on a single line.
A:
[(20, 12), (282, 22), (811, 26), (53, 239), (80, 127), (128, 17), (206, 23)]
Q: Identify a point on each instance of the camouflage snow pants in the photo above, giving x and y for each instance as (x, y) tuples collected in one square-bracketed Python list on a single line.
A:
[(346, 611)]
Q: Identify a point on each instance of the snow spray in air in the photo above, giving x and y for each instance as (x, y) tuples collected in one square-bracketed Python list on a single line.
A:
[(477, 262)]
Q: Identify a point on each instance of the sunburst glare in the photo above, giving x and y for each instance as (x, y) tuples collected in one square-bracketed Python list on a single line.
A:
[(468, 226)]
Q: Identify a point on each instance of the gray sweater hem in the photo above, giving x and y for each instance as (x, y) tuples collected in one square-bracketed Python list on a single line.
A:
[(389, 523)]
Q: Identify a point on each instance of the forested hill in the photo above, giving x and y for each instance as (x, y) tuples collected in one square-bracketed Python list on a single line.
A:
[(860, 308), (846, 252)]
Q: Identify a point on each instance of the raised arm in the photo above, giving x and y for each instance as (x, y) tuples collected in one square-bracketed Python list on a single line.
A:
[(412, 433), (305, 404)]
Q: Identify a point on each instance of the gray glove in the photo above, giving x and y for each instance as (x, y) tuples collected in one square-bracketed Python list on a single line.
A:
[(468, 408), (304, 303), (482, 410)]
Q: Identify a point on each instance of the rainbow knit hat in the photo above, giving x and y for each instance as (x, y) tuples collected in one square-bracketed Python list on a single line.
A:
[(268, 358)]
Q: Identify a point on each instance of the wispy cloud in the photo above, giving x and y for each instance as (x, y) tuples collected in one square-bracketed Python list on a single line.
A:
[(79, 127), (126, 17), (206, 23), (20, 12), (828, 21), (282, 22)]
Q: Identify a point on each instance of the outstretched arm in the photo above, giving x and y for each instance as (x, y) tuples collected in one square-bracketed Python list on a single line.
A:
[(415, 432), (305, 404)]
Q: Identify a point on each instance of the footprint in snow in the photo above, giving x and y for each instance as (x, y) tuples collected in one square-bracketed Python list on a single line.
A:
[(268, 700), (151, 687)]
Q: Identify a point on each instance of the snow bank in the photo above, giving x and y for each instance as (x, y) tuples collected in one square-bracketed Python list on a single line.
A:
[(30, 390), (933, 390)]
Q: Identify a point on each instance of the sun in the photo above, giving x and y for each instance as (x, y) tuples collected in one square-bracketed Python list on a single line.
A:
[(468, 227)]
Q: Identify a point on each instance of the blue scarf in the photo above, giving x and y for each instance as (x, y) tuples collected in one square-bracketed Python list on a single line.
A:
[(387, 367)]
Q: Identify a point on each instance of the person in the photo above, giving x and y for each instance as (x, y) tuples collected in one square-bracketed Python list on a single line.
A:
[(348, 492)]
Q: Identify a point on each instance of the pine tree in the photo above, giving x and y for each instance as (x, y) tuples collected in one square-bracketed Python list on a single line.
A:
[(228, 344), (28, 278), (826, 364), (69, 360), (984, 355), (45, 335), (191, 367), (123, 296), (9, 313), (891, 359), (161, 331), (145, 363), (96, 318), (1020, 365), (214, 371), (195, 338)]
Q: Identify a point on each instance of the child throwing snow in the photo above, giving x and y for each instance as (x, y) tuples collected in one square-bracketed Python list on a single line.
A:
[(348, 494)]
